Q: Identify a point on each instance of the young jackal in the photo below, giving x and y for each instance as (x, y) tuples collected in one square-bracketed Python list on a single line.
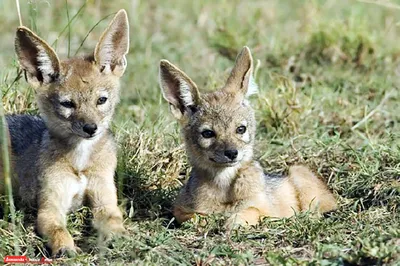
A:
[(219, 129), (68, 155)]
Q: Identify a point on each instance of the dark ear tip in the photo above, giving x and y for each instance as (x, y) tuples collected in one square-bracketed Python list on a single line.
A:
[(21, 34), (164, 63), (23, 29)]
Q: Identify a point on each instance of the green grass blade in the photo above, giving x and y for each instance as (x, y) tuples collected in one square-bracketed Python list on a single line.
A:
[(69, 28), (95, 25)]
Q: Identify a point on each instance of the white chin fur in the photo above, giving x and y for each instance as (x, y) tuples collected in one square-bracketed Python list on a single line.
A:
[(224, 177)]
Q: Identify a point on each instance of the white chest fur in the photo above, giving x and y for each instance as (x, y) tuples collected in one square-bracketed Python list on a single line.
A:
[(77, 191), (224, 177), (82, 153)]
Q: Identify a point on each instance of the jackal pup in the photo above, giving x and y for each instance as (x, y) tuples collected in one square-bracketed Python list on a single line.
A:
[(219, 129), (68, 155)]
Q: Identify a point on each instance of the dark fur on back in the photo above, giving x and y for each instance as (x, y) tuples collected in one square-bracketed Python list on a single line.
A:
[(25, 130)]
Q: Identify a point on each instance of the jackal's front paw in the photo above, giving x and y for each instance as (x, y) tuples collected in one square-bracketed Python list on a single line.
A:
[(62, 244), (67, 252), (108, 221), (114, 226), (235, 221), (110, 227), (181, 215), (250, 216)]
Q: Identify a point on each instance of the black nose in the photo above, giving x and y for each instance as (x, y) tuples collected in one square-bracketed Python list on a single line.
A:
[(90, 128), (231, 154)]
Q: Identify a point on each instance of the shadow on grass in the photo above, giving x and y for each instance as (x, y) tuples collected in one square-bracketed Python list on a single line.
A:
[(144, 202)]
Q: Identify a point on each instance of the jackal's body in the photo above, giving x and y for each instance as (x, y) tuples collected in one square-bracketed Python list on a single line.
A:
[(219, 131), (68, 155), (26, 136), (32, 145), (202, 195)]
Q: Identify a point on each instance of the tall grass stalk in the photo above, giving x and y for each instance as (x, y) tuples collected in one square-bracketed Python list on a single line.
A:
[(5, 156), (87, 35), (33, 15), (19, 12), (69, 23), (69, 28)]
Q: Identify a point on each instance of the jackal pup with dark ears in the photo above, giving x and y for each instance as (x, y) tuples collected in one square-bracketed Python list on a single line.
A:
[(219, 130), (68, 154)]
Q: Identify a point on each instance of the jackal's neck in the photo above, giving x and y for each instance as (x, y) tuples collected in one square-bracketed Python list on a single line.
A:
[(77, 151), (80, 155), (73, 142), (221, 177)]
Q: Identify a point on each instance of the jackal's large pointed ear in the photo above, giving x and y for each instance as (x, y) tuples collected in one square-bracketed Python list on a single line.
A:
[(241, 77), (36, 57), (113, 45), (178, 89)]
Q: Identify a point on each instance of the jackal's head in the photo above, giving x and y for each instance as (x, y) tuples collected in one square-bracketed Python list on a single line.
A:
[(218, 127), (76, 96)]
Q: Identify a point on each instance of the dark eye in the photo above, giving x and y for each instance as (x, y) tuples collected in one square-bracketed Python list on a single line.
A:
[(241, 130), (68, 104), (208, 134), (101, 100)]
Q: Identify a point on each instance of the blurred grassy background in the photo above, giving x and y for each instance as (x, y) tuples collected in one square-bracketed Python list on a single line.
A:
[(329, 92)]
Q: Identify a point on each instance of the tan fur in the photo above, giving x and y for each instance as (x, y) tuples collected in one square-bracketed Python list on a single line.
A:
[(312, 193), (68, 165), (233, 185)]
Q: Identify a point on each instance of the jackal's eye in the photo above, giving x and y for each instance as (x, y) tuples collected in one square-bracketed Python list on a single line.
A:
[(101, 100), (67, 104), (241, 130), (208, 134)]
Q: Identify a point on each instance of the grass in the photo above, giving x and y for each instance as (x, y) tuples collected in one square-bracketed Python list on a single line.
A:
[(329, 94)]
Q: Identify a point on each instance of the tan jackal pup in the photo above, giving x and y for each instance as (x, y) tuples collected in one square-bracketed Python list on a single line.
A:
[(68, 154), (219, 129)]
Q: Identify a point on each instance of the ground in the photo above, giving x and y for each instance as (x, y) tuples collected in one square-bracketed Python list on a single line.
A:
[(328, 73)]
